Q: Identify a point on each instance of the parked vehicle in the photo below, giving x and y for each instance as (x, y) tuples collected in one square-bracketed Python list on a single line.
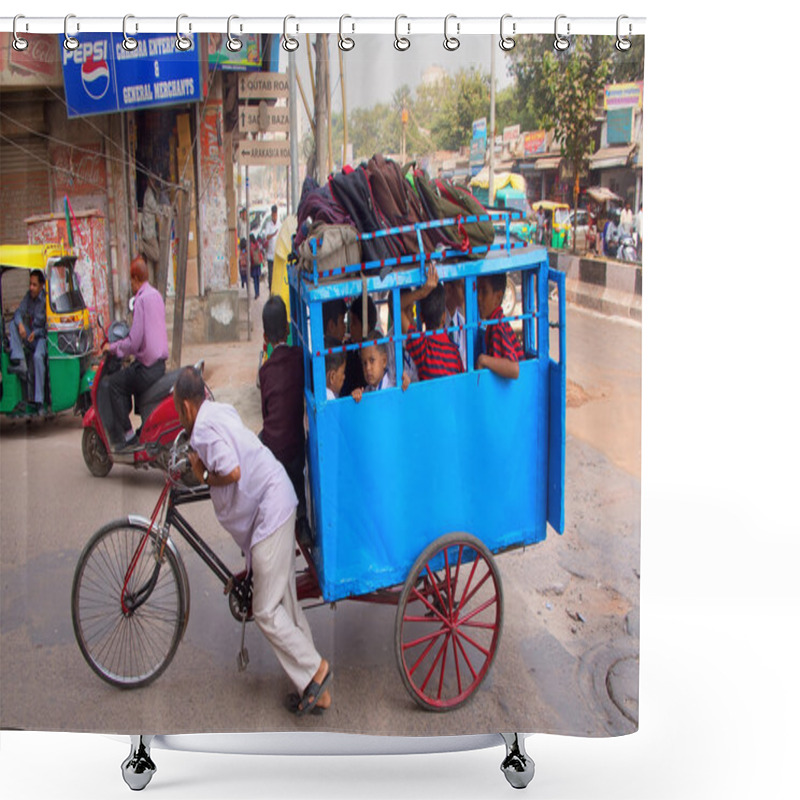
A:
[(558, 222), (626, 251), (69, 335), (160, 423), (509, 195)]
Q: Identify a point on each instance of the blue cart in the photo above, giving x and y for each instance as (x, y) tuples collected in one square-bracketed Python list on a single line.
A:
[(413, 492)]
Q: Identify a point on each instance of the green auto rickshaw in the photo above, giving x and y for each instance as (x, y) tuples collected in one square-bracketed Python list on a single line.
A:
[(69, 336)]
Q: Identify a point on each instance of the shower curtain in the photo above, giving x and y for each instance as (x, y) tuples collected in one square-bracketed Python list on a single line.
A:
[(113, 153)]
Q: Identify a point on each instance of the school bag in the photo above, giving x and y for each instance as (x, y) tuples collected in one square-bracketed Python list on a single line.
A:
[(337, 246)]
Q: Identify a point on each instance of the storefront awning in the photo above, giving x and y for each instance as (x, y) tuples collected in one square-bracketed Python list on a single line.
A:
[(542, 164), (610, 157)]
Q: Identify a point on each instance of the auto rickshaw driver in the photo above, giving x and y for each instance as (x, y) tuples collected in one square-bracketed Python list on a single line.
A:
[(28, 337)]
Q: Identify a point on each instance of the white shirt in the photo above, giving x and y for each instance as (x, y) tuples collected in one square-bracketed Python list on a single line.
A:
[(271, 227), (256, 505), (329, 394), (387, 381), (458, 338)]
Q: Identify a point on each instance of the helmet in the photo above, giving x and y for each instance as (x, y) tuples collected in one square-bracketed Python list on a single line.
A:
[(118, 330)]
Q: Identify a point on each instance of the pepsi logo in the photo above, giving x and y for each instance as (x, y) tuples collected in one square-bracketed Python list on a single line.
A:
[(95, 77)]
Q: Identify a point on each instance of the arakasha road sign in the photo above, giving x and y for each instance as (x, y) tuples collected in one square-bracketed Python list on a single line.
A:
[(255, 154)]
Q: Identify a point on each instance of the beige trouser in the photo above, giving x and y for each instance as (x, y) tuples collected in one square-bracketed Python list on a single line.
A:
[(276, 608)]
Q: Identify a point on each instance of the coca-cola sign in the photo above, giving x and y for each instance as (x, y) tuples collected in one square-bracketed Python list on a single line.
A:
[(40, 57), (77, 172)]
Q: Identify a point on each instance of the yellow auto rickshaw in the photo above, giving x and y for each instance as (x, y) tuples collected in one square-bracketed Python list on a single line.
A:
[(557, 224), (69, 337)]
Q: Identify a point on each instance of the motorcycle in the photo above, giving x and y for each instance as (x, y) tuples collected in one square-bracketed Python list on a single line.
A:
[(626, 249), (160, 424)]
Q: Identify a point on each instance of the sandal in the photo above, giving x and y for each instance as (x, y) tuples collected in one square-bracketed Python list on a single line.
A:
[(314, 690)]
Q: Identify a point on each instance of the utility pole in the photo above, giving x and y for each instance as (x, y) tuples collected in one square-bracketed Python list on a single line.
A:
[(491, 125), (294, 192), (184, 218), (344, 107), (320, 107)]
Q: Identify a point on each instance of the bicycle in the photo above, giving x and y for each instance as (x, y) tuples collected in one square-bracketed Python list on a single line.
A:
[(130, 592)]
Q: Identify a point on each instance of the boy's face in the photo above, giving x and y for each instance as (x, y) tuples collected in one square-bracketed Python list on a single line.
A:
[(187, 413), (373, 360), (336, 379), (488, 299), (454, 295), (356, 328), (336, 329)]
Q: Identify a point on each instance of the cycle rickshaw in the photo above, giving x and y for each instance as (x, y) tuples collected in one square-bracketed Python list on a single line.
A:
[(412, 493)]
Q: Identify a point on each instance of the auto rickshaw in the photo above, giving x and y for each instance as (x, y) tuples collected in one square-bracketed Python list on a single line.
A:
[(557, 223), (69, 336)]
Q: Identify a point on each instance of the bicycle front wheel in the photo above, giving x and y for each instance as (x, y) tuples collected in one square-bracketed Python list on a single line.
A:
[(128, 640)]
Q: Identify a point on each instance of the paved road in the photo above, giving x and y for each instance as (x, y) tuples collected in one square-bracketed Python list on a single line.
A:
[(570, 640)]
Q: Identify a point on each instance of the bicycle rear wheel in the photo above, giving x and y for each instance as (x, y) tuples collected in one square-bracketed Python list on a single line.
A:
[(128, 648)]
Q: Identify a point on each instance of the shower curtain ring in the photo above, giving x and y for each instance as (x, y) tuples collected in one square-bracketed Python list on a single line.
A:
[(288, 42), (346, 42), (19, 43), (507, 42), (182, 42), (234, 44), (70, 42), (561, 43), (128, 42), (623, 42), (451, 42), (401, 43)]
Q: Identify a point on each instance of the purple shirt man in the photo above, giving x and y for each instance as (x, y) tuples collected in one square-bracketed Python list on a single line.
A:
[(147, 340), (147, 343)]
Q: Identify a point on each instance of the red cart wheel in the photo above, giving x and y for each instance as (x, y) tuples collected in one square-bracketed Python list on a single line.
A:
[(449, 621)]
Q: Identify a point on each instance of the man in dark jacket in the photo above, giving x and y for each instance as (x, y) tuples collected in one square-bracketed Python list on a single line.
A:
[(28, 334)]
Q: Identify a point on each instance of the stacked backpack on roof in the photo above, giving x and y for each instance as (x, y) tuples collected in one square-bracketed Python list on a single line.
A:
[(379, 195)]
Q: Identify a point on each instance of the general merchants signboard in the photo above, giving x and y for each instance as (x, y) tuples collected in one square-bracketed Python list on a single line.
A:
[(102, 77)]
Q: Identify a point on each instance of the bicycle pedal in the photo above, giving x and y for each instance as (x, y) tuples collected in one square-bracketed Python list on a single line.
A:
[(243, 659)]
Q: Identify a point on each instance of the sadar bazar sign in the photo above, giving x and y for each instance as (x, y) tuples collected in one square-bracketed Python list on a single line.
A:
[(101, 76)]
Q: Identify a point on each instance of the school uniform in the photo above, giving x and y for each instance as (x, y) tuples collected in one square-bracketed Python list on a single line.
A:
[(434, 355), (500, 340)]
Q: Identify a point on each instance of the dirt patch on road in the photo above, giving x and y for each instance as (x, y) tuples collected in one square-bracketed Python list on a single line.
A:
[(578, 396)]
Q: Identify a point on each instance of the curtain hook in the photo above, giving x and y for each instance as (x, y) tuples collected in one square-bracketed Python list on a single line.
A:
[(70, 42), (401, 43), (182, 42), (234, 44), (507, 42), (289, 43), (623, 42), (128, 42), (346, 42), (451, 42), (19, 43), (561, 43)]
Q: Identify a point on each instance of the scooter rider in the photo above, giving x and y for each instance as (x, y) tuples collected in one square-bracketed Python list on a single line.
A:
[(147, 343)]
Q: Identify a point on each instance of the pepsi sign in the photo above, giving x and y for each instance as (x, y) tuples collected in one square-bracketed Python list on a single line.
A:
[(101, 76)]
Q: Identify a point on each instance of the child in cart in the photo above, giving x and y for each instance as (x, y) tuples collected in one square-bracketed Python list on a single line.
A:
[(502, 351), (334, 368), (434, 355), (374, 360)]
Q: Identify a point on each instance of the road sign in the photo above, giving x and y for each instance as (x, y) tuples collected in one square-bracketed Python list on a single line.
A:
[(263, 85), (259, 154), (263, 118)]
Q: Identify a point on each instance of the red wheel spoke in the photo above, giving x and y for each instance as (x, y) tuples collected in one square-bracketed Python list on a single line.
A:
[(478, 610), (469, 580), (458, 566), (484, 625), (449, 588), (444, 665), (433, 666), (429, 606), (455, 658), (433, 582), (483, 650), (466, 658), (477, 587), (422, 657), (425, 638)]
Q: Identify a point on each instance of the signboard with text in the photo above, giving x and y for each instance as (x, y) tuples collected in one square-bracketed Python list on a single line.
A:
[(259, 154), (263, 85), (623, 95), (263, 119), (102, 77), (248, 57), (534, 142)]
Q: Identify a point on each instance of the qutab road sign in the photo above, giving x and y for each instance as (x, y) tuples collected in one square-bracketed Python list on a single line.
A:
[(256, 154), (263, 85)]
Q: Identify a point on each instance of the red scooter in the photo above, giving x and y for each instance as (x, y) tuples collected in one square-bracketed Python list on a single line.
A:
[(160, 423)]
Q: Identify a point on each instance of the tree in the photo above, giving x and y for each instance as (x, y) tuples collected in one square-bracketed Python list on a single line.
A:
[(574, 84)]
